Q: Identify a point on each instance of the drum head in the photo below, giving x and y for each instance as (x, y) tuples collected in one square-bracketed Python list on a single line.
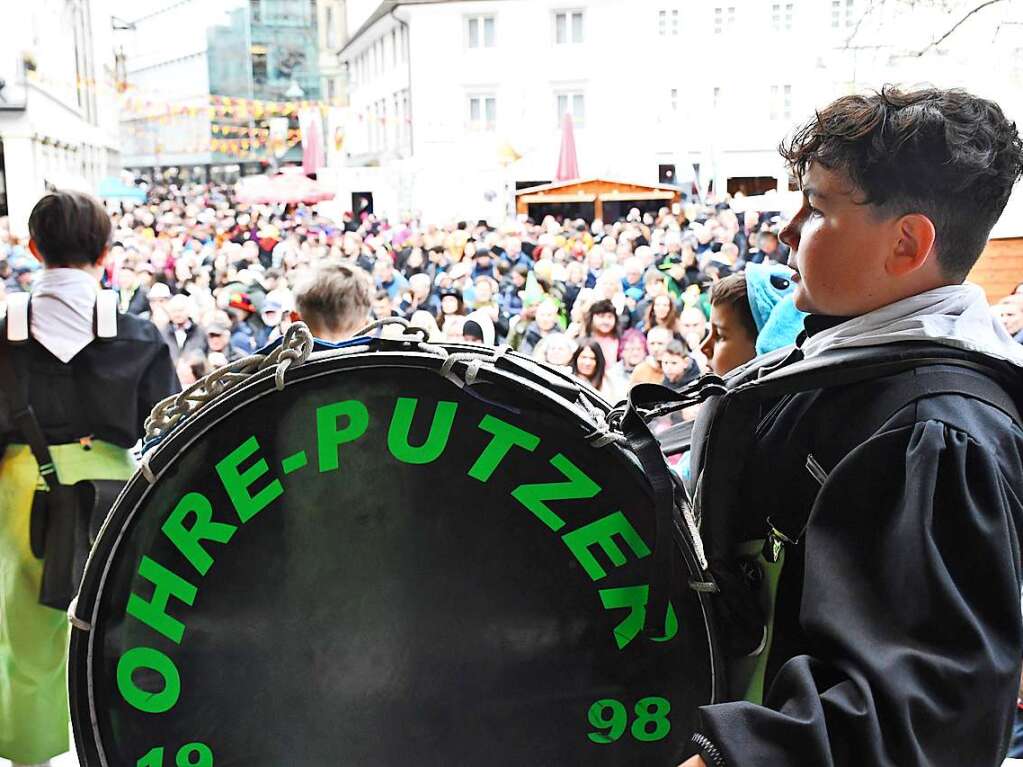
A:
[(375, 567)]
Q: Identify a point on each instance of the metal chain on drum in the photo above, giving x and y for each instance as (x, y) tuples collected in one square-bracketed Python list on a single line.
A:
[(602, 433), (294, 349)]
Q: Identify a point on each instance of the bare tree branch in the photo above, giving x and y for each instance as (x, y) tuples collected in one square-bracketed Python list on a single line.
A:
[(961, 21), (874, 5)]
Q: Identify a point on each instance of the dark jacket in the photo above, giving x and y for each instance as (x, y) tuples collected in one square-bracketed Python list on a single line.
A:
[(107, 390), (138, 303), (897, 631), (194, 342)]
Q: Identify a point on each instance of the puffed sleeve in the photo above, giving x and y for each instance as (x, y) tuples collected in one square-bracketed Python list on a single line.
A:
[(911, 605)]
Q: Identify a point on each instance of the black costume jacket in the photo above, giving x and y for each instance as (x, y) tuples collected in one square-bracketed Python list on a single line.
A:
[(107, 390), (897, 629)]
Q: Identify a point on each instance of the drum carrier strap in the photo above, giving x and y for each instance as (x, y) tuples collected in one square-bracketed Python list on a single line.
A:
[(647, 401)]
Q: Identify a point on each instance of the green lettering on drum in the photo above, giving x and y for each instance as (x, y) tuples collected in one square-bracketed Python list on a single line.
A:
[(436, 440), (651, 722), (237, 483), (534, 497), (154, 661), (505, 438), (635, 598), (609, 718), (294, 462), (602, 532), (329, 437), (203, 756), (203, 528), (153, 613)]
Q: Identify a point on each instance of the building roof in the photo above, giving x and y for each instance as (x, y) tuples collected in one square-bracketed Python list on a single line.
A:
[(383, 10), (584, 183)]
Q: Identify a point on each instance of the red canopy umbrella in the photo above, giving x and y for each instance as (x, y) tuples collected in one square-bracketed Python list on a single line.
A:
[(568, 165), (288, 185)]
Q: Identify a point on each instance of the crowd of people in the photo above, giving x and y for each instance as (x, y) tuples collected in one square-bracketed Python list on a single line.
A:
[(615, 303)]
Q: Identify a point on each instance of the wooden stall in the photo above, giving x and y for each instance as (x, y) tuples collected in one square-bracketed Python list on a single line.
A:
[(601, 198), (1000, 268)]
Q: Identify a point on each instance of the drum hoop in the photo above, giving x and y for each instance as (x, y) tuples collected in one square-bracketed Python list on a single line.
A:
[(261, 385)]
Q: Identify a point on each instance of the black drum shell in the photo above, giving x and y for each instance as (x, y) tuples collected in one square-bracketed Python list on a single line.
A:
[(523, 701)]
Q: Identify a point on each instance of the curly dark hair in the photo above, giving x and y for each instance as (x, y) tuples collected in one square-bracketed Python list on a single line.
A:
[(947, 154)]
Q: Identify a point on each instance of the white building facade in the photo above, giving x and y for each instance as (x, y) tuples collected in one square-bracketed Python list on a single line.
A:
[(444, 96), (58, 105)]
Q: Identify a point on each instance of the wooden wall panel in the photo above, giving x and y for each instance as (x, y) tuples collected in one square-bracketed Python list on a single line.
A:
[(1000, 268)]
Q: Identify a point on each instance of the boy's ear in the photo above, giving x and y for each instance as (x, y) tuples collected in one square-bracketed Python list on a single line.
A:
[(914, 244)]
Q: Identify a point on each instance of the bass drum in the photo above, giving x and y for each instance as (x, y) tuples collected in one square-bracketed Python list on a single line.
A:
[(382, 565)]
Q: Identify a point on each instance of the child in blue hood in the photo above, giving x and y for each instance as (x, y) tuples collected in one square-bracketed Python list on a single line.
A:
[(751, 314)]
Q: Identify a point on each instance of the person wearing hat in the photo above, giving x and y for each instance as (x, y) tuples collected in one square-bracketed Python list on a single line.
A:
[(483, 264), (218, 340), (91, 376), (451, 306), (478, 328), (271, 316), (158, 296), (246, 322)]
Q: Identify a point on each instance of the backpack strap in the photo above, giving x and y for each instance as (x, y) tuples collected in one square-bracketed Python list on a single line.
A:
[(19, 315), (22, 415), (105, 315)]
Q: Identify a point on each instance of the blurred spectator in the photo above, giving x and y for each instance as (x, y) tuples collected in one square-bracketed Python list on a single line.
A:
[(182, 336), (602, 327), (588, 365)]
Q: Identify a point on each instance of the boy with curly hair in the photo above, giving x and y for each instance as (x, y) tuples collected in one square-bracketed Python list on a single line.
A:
[(896, 635)]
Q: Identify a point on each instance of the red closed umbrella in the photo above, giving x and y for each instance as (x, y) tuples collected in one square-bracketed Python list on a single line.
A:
[(568, 165), (288, 185)]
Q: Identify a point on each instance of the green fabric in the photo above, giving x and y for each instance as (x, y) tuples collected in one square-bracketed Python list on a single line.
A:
[(33, 639), (746, 675)]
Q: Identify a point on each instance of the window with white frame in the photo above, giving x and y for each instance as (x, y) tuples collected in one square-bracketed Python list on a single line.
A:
[(674, 99), (781, 102), (480, 31), (843, 13), (482, 112), (568, 27), (667, 22), (724, 18), (787, 17), (571, 103)]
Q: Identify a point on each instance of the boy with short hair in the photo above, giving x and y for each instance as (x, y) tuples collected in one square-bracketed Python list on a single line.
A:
[(679, 368), (896, 634), (732, 339), (751, 313), (334, 301)]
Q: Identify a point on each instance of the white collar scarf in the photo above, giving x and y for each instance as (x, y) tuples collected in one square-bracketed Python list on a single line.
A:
[(63, 308), (955, 315)]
